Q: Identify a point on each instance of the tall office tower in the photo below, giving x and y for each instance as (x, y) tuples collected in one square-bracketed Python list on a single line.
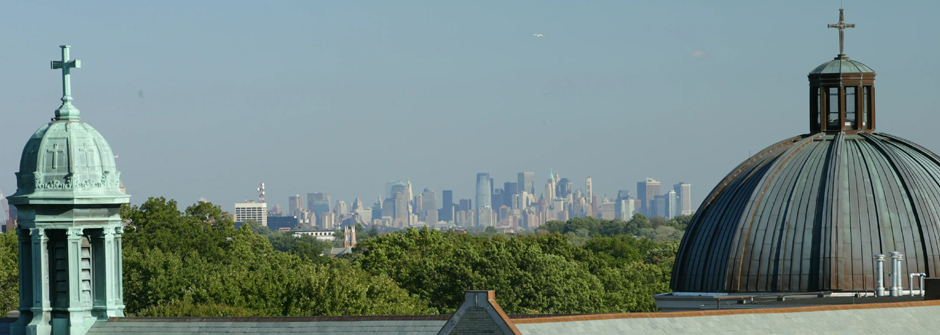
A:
[(251, 210), (399, 187), (417, 205), (311, 197), (377, 209), (429, 205), (400, 205), (466, 205), (647, 191), (356, 205), (526, 182), (295, 203), (318, 202), (684, 194), (658, 206), (623, 194), (484, 191), (340, 207), (447, 208), (496, 198), (589, 188), (549, 194), (564, 188), (388, 208), (671, 208), (510, 189)]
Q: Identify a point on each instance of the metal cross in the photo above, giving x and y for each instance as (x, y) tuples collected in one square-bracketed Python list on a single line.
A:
[(841, 26), (66, 111)]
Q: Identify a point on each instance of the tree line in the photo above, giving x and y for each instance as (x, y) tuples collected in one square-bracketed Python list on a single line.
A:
[(196, 263)]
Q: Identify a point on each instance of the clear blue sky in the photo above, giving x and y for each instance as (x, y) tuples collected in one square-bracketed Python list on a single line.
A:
[(209, 98)]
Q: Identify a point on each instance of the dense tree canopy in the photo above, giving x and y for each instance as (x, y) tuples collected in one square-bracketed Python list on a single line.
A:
[(195, 263), (9, 273)]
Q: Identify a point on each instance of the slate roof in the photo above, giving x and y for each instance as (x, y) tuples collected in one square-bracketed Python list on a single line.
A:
[(809, 213), (893, 318), (342, 325)]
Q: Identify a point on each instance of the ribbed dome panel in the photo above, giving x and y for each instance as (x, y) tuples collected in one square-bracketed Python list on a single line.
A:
[(809, 213)]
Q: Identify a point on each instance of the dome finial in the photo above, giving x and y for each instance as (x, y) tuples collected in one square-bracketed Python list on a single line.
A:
[(841, 26), (66, 111)]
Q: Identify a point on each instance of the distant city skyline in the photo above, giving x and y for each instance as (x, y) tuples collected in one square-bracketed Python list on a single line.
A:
[(273, 192), (184, 90), (494, 203)]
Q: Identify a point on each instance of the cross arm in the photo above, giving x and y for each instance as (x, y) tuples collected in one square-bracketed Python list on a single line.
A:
[(75, 63)]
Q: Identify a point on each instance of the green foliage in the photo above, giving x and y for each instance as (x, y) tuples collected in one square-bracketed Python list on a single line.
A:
[(531, 273), (9, 273), (187, 308), (197, 261), (657, 228)]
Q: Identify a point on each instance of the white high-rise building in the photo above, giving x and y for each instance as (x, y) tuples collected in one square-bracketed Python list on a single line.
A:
[(684, 195), (251, 210)]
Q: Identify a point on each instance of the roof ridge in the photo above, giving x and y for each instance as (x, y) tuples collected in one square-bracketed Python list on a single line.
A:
[(593, 317)]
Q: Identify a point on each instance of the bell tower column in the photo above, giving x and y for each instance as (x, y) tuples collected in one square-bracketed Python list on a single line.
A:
[(107, 263), (41, 308)]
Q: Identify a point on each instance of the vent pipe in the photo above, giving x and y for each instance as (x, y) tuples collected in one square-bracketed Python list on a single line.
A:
[(879, 275), (910, 283), (896, 273)]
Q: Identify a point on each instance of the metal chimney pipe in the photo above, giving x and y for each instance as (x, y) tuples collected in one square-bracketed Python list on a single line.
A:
[(879, 275), (896, 273)]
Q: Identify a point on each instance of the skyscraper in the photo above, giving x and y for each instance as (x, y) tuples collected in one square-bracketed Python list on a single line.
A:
[(671, 204), (429, 205), (401, 207), (658, 206), (564, 188), (318, 202), (647, 191), (340, 207), (684, 195), (527, 182), (295, 203), (484, 199), (447, 210), (589, 187), (484, 190)]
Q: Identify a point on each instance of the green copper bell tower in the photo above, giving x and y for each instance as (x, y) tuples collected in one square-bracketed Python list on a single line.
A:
[(68, 196)]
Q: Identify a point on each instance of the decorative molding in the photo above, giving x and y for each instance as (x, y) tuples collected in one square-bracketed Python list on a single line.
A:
[(75, 232), (37, 181)]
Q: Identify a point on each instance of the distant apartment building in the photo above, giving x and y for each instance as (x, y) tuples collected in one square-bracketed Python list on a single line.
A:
[(251, 210)]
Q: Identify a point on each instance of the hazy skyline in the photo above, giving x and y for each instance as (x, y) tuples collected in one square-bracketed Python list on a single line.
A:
[(209, 99)]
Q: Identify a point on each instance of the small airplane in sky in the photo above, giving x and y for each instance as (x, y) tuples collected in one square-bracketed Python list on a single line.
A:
[(538, 35)]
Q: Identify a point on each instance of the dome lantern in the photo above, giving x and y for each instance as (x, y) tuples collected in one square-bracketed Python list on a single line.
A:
[(842, 92)]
